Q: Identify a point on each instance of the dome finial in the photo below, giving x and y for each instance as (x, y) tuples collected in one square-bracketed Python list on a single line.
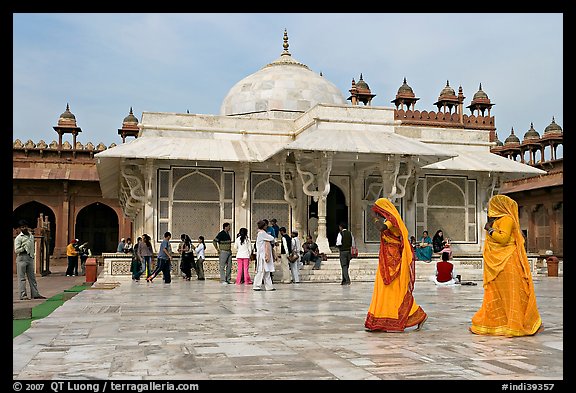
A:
[(286, 45), (67, 107), (131, 111), (480, 88)]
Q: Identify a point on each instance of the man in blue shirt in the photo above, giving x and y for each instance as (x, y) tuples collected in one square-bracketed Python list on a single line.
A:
[(275, 227), (164, 259)]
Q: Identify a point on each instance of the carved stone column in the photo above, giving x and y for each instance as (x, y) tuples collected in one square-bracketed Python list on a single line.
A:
[(316, 183), (148, 209), (289, 183), (357, 218)]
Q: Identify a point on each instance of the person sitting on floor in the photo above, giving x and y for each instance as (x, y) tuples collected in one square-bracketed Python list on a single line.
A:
[(445, 274)]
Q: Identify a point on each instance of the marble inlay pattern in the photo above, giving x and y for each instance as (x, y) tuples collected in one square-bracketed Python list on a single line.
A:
[(203, 330)]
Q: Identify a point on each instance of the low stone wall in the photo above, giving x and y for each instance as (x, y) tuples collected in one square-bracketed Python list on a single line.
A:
[(362, 268)]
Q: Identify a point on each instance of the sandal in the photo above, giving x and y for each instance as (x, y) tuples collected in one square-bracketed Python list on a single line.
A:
[(421, 323)]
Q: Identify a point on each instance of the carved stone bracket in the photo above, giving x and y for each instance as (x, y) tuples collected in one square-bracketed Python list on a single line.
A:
[(320, 181), (287, 178), (246, 168), (401, 180), (320, 184), (132, 195)]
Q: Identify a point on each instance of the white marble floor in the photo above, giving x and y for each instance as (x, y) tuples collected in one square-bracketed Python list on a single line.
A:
[(202, 330)]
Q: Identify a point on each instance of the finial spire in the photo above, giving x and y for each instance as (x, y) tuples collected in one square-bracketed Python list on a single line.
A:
[(67, 107), (286, 45), (447, 83), (131, 111), (405, 80)]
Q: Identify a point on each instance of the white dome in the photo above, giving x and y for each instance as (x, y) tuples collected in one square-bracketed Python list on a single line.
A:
[(283, 85)]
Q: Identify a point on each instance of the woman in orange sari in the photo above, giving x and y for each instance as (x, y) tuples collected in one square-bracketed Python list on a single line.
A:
[(393, 308), (509, 304)]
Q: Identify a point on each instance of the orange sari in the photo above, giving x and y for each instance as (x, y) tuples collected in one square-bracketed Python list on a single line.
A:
[(392, 307), (509, 304)]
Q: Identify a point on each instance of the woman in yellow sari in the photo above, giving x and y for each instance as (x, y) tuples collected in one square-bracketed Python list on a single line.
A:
[(393, 308), (509, 304)]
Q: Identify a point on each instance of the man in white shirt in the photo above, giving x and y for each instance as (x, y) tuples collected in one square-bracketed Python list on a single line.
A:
[(24, 248)]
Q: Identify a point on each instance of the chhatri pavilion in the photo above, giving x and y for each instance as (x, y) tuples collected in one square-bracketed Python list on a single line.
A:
[(287, 144)]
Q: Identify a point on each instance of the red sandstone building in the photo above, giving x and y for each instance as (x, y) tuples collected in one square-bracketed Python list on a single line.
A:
[(60, 182), (540, 198)]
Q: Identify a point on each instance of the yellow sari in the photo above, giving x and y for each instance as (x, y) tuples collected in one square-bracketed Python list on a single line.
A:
[(509, 304), (392, 307)]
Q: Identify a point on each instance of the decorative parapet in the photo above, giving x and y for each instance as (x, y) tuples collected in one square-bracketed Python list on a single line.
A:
[(42, 146), (442, 119)]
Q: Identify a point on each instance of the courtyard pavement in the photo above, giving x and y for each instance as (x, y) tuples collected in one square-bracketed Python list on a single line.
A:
[(202, 330)]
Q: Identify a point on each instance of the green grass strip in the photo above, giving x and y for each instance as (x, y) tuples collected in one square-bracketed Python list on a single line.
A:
[(42, 310)]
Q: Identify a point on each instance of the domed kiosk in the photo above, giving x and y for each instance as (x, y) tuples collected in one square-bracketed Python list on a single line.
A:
[(284, 88)]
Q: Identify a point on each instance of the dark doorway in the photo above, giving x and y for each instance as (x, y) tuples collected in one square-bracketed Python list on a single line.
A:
[(336, 212), (31, 212), (97, 224)]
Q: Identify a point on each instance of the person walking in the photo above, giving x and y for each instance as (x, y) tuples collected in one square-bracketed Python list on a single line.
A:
[(264, 259), (136, 265), (72, 255), (509, 304), (393, 308), (24, 249), (185, 248), (145, 251), (200, 248), (223, 245), (344, 244), (164, 259), (243, 247), (285, 250)]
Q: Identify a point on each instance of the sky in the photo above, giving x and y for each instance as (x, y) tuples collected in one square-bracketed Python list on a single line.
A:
[(103, 64)]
